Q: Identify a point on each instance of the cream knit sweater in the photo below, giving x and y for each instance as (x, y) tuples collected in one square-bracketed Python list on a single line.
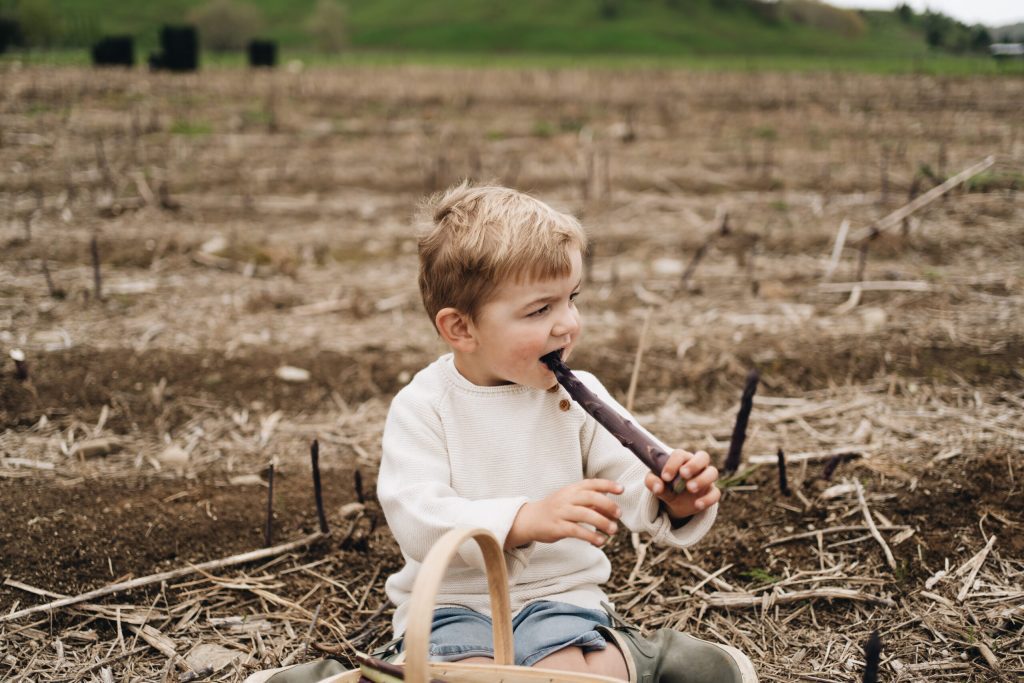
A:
[(461, 455)]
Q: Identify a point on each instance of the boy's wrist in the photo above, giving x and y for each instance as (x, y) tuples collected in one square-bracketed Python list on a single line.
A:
[(676, 520), (678, 523), (517, 536)]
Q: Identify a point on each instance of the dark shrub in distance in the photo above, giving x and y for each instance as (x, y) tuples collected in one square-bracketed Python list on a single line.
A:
[(114, 51), (262, 53), (179, 49), (10, 34)]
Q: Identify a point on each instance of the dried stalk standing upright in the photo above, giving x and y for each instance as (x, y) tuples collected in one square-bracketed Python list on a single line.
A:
[(314, 454), (721, 230), (635, 376), (359, 488), (862, 254), (832, 464), (915, 185), (55, 292), (739, 430), (268, 532), (20, 365), (94, 248), (872, 656), (783, 481)]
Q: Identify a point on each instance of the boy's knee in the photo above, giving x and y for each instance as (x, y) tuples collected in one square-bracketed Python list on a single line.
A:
[(567, 659), (608, 662)]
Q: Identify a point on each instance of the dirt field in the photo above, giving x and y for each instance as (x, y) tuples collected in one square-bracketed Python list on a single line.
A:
[(249, 222)]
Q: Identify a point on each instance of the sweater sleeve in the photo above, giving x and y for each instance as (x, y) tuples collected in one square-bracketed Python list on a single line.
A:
[(606, 458), (415, 492)]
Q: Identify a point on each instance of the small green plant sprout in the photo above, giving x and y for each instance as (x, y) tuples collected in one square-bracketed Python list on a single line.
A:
[(760, 576), (543, 129), (739, 431), (192, 128)]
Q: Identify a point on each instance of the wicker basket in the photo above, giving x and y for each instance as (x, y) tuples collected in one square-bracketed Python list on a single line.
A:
[(421, 610)]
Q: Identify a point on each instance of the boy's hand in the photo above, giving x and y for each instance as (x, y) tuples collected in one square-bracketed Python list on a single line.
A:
[(700, 477), (562, 514)]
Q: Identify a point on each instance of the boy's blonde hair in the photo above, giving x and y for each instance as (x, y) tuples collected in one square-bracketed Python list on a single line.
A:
[(478, 237)]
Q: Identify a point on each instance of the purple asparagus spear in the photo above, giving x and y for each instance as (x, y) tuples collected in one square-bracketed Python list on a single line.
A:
[(379, 671), (628, 434)]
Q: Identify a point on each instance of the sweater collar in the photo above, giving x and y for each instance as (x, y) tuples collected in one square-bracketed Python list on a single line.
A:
[(455, 378)]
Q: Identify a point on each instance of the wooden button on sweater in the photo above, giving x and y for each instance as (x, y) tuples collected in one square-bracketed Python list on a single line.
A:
[(564, 404)]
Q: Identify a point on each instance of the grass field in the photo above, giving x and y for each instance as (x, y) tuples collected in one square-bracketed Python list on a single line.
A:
[(730, 35), (927, 64), (696, 27)]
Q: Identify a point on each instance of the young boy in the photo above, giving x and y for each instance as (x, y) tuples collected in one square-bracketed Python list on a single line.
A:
[(485, 437)]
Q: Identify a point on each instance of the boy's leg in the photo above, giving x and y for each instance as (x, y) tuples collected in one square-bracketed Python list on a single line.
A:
[(608, 662), (672, 657), (566, 659), (457, 634), (554, 635)]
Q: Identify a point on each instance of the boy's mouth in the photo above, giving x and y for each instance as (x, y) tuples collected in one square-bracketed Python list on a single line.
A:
[(560, 352)]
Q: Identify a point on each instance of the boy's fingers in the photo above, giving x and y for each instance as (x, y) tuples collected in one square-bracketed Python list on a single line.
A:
[(695, 464), (703, 480), (603, 505), (675, 461), (596, 520), (594, 538), (602, 485), (706, 501)]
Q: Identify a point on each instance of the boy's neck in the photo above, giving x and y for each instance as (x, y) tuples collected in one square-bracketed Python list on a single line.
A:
[(465, 365)]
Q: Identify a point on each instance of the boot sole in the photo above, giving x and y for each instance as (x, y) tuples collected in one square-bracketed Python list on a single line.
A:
[(746, 667)]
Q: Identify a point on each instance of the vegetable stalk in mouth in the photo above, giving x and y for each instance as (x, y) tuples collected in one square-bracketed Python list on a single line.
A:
[(628, 434)]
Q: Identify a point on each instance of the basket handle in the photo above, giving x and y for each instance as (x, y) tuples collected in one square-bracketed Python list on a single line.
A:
[(424, 599)]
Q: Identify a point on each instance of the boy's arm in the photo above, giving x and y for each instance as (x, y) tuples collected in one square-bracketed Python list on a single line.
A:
[(641, 510), (415, 492)]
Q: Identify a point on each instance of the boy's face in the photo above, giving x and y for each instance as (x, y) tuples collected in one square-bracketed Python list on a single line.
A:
[(520, 323)]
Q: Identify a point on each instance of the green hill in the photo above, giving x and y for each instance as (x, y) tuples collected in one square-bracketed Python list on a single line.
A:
[(559, 27)]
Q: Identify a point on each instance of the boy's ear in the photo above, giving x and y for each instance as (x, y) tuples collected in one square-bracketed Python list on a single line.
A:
[(456, 329)]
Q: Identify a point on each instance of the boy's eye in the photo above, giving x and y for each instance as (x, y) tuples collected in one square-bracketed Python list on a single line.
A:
[(539, 311), (572, 297)]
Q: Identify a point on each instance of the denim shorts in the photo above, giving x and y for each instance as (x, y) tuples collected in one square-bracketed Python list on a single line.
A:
[(540, 629)]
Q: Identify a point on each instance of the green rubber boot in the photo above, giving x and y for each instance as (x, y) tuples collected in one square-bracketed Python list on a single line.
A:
[(672, 657)]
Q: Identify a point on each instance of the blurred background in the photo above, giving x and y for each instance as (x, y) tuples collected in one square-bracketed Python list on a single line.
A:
[(208, 259), (888, 35)]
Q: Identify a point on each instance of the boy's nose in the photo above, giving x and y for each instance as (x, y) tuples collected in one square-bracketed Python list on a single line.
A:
[(567, 325)]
